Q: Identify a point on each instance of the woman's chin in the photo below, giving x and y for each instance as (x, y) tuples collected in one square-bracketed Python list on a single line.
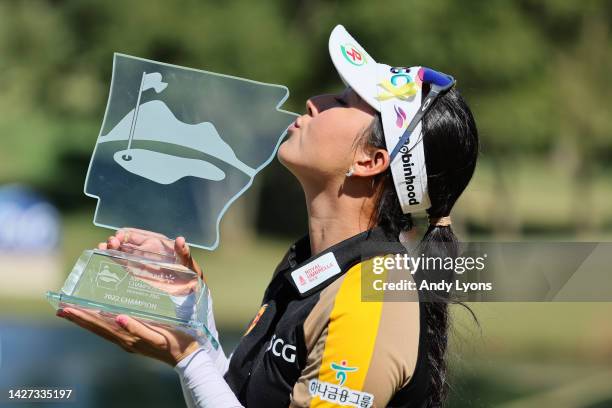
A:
[(289, 160), (284, 154)]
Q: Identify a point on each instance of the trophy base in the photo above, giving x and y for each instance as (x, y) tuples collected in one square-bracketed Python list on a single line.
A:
[(111, 283)]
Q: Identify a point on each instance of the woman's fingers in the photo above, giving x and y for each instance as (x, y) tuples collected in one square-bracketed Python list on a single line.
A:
[(137, 236), (132, 239), (97, 325), (90, 320), (149, 241), (182, 250), (114, 243), (141, 232), (111, 243), (141, 330), (134, 336)]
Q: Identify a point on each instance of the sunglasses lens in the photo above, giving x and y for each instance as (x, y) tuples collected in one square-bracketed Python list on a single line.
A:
[(437, 78)]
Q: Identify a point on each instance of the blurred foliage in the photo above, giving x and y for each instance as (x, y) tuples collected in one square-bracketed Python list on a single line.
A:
[(535, 73)]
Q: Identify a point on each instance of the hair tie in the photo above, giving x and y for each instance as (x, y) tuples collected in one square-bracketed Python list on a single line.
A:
[(440, 221)]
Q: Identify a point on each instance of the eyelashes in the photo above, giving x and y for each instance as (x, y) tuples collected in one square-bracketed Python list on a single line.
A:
[(341, 101)]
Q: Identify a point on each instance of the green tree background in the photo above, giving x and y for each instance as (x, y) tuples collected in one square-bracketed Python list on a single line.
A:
[(535, 72)]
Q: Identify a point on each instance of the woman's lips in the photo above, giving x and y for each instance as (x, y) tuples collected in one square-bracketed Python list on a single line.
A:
[(295, 125)]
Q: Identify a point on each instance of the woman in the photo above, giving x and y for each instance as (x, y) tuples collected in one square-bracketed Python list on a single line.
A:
[(365, 161)]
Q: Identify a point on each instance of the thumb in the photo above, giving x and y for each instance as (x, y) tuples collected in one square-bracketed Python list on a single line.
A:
[(182, 251), (184, 254)]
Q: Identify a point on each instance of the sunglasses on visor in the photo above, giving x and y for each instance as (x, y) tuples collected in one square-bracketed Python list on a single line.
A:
[(440, 84)]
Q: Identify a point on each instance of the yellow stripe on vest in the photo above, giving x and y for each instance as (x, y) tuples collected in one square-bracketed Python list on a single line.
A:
[(352, 332)]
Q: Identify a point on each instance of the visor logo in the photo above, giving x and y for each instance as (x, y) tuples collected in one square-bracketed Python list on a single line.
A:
[(400, 85), (401, 116), (404, 92), (409, 177), (352, 54)]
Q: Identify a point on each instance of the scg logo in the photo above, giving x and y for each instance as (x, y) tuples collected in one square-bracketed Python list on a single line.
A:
[(280, 349)]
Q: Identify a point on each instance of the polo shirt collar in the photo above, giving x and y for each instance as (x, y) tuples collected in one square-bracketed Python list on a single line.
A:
[(310, 274)]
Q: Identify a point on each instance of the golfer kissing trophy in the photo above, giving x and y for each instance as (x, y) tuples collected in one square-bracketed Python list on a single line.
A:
[(177, 146)]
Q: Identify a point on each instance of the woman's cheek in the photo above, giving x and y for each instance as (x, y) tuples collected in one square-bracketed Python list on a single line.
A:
[(334, 158)]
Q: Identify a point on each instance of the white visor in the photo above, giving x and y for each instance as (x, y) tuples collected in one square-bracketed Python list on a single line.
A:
[(396, 93)]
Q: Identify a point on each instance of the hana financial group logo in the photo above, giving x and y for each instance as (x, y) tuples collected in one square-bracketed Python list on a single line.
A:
[(341, 371)]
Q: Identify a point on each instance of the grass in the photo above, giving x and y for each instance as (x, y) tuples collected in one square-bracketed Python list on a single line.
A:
[(554, 332), (531, 355), (536, 196)]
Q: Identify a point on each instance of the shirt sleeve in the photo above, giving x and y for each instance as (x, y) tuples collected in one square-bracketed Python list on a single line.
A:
[(201, 373), (203, 386), (360, 353)]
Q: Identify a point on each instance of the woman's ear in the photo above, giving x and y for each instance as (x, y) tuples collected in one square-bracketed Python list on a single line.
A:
[(370, 161)]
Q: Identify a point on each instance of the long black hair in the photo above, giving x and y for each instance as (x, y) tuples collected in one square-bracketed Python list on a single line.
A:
[(450, 141)]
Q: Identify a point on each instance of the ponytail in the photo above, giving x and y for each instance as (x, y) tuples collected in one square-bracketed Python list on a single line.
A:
[(439, 242), (451, 146)]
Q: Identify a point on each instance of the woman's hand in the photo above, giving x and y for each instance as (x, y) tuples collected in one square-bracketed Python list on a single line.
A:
[(132, 239), (169, 346)]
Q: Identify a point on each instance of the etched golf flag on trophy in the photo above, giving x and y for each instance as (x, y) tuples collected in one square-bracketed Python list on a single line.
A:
[(177, 146)]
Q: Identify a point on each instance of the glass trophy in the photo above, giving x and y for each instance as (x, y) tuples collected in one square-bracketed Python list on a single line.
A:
[(176, 148), (145, 285)]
